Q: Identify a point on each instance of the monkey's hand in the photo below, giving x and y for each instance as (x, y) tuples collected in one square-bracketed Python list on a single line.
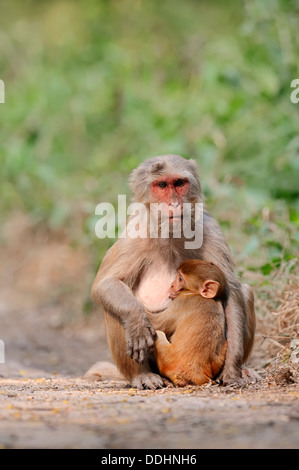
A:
[(141, 336)]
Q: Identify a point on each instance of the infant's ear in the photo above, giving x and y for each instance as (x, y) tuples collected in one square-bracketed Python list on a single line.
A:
[(209, 289)]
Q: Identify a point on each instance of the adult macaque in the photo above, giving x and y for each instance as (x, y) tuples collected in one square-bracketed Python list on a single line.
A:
[(195, 323), (136, 272)]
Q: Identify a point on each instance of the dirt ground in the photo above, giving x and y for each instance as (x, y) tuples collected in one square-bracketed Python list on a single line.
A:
[(66, 412), (48, 400)]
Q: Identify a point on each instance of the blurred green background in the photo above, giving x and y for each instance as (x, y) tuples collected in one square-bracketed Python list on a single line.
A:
[(95, 87)]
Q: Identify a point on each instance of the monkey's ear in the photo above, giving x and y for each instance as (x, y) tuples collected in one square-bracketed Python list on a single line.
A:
[(209, 289)]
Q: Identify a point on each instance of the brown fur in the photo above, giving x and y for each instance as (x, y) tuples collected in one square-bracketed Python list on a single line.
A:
[(125, 264), (192, 358)]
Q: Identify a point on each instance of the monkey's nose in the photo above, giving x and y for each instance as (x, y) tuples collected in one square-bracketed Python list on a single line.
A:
[(174, 204)]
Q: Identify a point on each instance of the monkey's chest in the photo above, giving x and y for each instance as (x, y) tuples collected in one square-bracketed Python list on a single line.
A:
[(153, 290)]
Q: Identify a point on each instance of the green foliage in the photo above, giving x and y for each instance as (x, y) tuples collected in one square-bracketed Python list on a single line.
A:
[(95, 87)]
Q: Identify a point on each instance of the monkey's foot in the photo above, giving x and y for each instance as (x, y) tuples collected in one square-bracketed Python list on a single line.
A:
[(235, 381), (148, 380), (248, 376)]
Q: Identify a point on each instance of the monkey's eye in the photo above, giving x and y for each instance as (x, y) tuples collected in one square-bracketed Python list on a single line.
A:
[(162, 184), (180, 278), (179, 182)]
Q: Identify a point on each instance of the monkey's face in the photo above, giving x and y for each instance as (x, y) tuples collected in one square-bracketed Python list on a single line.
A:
[(164, 184), (171, 191), (178, 284)]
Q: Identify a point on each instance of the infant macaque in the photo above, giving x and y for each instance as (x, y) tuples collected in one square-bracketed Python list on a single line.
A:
[(194, 323)]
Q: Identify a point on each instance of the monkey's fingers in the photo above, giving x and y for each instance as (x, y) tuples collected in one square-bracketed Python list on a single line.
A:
[(150, 342), (130, 350), (141, 356), (139, 351), (141, 344), (167, 382), (153, 332)]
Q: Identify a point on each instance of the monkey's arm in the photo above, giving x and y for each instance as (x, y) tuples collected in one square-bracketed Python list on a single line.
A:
[(119, 301), (168, 320)]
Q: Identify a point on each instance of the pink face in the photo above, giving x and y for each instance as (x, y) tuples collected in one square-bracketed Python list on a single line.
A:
[(172, 191), (178, 284)]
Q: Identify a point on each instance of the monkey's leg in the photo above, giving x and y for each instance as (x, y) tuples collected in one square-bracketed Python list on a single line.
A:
[(163, 350), (239, 347), (168, 360), (249, 374), (235, 320), (175, 367), (250, 320), (139, 375)]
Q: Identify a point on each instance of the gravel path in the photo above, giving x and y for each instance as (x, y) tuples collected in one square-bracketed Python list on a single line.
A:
[(67, 412)]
